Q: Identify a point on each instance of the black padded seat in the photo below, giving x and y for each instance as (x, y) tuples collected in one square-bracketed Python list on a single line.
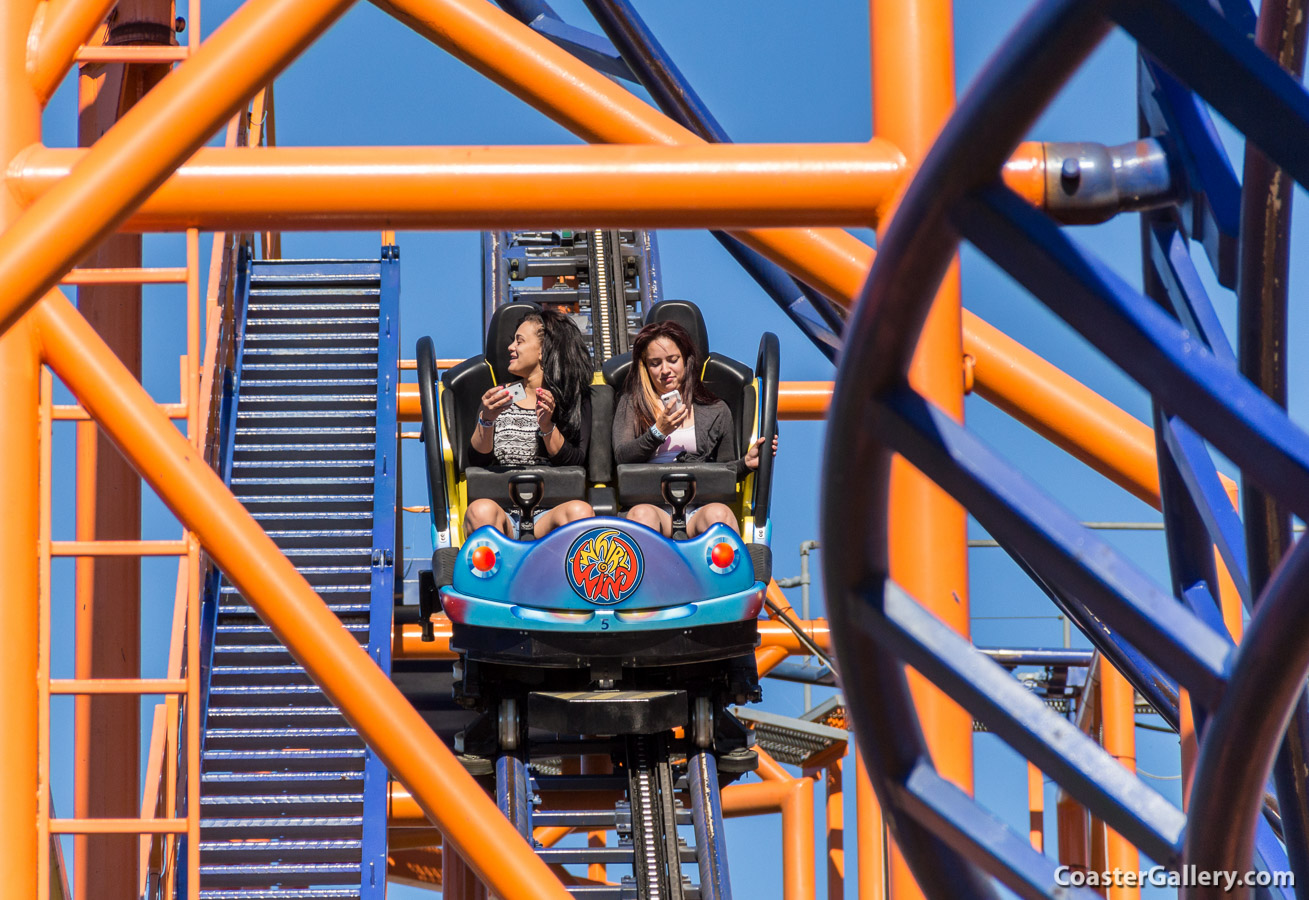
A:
[(730, 381)]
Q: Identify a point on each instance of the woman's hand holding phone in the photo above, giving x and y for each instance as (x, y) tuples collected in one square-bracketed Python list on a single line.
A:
[(672, 413), (494, 402)]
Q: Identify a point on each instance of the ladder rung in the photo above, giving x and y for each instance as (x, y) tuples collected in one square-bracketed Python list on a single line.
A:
[(118, 826), (174, 275), (132, 54), (75, 412), (118, 548), (118, 686)]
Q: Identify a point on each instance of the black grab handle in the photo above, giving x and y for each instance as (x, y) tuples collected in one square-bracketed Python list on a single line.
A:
[(767, 370), (431, 434)]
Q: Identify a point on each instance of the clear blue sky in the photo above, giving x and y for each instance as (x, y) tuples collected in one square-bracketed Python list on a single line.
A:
[(771, 72)]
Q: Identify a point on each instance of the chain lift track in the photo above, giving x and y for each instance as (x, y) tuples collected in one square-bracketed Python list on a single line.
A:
[(606, 279), (1160, 638)]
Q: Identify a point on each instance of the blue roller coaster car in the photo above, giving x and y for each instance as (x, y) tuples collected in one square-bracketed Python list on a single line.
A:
[(602, 626)]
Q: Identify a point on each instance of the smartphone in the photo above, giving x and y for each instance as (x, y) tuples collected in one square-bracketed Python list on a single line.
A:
[(672, 401), (516, 391)]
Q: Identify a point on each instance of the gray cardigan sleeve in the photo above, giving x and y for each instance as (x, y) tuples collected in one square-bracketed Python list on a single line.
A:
[(629, 446)]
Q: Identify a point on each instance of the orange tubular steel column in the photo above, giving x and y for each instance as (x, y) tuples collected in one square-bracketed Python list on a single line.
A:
[(1118, 702), (1035, 807), (871, 835), (697, 185), (20, 485), (913, 94), (835, 790), (150, 141), (298, 616)]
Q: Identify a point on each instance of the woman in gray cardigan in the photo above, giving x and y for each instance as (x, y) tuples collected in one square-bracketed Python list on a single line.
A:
[(665, 414)]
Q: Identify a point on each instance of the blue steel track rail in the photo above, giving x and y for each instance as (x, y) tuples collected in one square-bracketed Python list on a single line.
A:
[(1167, 342)]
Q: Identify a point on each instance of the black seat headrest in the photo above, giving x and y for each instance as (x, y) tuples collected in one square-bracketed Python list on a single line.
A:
[(504, 322), (686, 314)]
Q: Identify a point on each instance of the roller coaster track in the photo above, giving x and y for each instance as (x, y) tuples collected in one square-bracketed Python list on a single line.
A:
[(1166, 340)]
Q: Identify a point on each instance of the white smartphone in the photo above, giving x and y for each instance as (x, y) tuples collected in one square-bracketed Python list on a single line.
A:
[(516, 391), (672, 401)]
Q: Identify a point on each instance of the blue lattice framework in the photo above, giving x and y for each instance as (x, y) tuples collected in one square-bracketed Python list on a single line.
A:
[(1168, 341)]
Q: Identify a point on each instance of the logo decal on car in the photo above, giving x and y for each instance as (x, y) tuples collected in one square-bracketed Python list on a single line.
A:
[(604, 566)]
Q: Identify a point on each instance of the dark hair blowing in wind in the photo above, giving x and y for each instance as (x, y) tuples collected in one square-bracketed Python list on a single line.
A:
[(565, 366)]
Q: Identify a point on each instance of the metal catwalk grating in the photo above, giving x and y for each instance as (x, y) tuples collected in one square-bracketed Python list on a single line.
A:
[(292, 802)]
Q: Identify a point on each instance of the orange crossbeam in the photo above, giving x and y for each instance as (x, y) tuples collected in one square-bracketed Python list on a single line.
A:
[(796, 400), (407, 642), (694, 186)]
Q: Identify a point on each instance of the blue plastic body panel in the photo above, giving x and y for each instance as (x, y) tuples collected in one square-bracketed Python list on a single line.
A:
[(654, 584)]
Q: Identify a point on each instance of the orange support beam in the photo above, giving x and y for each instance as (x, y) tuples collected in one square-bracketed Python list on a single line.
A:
[(693, 186), (59, 28), (835, 790), (796, 400), (298, 616), (149, 142), (1035, 807), (1118, 724), (870, 832), (22, 855), (913, 94)]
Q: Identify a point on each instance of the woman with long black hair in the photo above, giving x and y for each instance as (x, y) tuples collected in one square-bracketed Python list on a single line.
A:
[(549, 424), (690, 425)]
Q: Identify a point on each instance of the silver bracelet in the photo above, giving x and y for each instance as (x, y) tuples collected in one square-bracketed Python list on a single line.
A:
[(547, 433)]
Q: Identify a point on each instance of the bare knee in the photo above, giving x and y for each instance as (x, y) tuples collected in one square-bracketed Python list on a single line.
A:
[(483, 512), (574, 510), (714, 513), (646, 515)]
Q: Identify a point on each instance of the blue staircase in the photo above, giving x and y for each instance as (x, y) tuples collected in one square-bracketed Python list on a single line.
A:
[(293, 805)]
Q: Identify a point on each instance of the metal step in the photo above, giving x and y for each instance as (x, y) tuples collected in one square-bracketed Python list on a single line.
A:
[(235, 635), (276, 851), (281, 894), (227, 783), (224, 738), (280, 760), (240, 874)]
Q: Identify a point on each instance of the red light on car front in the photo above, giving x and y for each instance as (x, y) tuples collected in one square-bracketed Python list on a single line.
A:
[(722, 555), (483, 558)]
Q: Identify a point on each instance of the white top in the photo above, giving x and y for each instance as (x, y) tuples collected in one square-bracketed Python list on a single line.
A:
[(681, 439)]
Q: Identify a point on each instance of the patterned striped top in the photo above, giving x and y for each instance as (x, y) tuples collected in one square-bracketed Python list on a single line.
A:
[(516, 439)]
